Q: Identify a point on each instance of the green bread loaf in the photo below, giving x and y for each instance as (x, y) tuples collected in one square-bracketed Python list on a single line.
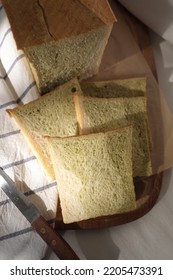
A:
[(61, 39)]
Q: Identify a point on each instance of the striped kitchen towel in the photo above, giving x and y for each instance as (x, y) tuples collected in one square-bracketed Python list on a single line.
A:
[(17, 86)]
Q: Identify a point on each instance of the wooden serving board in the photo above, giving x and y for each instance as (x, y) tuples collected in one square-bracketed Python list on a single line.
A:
[(147, 189)]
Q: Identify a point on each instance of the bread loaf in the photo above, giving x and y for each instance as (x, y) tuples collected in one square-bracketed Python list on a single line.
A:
[(103, 114), (94, 174), (52, 114), (61, 39)]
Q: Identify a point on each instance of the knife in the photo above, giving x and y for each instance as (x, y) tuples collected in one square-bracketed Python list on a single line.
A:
[(54, 240)]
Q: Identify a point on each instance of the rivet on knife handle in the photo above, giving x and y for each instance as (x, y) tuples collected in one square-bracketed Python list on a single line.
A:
[(54, 240)]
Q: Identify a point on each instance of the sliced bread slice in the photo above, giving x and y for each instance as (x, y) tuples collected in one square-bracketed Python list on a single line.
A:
[(94, 174), (52, 114), (115, 88), (102, 114)]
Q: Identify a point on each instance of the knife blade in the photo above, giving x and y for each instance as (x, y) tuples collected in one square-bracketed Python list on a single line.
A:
[(53, 239)]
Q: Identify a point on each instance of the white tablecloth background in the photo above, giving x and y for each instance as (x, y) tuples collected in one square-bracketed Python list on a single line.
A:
[(17, 239), (150, 237)]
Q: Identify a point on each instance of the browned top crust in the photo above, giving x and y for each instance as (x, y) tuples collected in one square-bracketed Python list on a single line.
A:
[(36, 22)]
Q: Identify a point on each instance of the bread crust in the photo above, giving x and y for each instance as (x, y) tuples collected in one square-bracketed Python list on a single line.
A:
[(34, 136), (33, 141), (50, 19)]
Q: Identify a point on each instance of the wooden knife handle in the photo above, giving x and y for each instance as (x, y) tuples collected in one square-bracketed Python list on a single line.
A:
[(55, 241)]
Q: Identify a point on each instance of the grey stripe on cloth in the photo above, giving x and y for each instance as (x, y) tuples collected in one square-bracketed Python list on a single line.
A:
[(32, 192), (20, 98), (12, 66), (26, 91), (3, 202), (20, 232), (5, 35), (2, 106), (18, 162), (7, 134), (17, 233), (40, 189)]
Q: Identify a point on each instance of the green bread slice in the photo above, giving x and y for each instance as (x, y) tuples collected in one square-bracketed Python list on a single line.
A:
[(102, 114), (50, 115), (115, 88), (94, 174)]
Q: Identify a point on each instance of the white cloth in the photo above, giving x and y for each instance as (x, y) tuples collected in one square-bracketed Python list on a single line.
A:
[(156, 14), (17, 240)]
